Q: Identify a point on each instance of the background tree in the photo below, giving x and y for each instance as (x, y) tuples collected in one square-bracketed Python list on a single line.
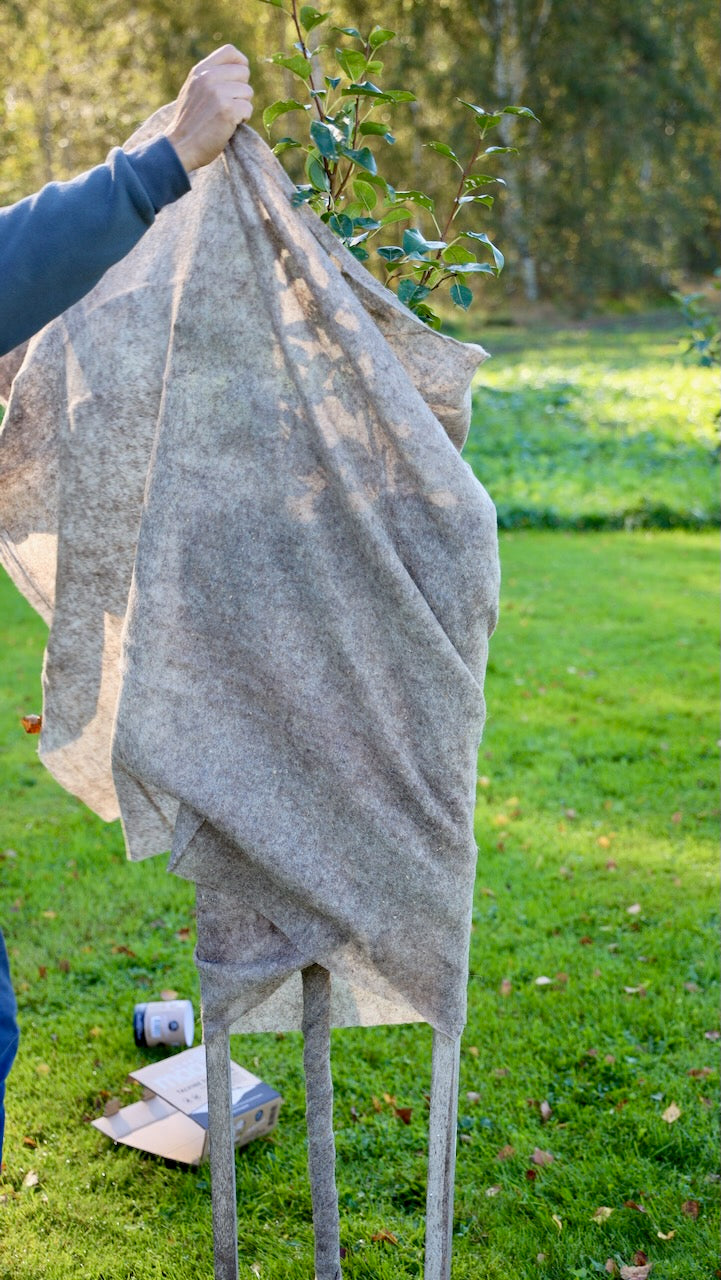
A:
[(614, 194)]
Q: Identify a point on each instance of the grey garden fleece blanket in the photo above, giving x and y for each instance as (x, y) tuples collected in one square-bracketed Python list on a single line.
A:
[(230, 480)]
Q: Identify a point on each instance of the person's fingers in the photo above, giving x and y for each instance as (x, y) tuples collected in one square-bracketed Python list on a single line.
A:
[(226, 74), (226, 54)]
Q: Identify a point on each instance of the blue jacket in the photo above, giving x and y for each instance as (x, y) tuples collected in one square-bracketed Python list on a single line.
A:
[(55, 246)]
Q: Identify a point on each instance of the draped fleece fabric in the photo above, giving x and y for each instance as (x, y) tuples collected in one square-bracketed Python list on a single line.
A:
[(230, 480)]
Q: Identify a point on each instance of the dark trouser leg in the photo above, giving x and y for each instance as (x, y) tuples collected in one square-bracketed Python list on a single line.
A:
[(319, 1118), (8, 1031)]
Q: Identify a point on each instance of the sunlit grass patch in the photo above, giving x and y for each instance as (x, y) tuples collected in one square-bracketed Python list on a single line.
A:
[(602, 428)]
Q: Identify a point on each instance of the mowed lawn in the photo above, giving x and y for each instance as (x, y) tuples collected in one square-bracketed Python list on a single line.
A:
[(588, 1128)]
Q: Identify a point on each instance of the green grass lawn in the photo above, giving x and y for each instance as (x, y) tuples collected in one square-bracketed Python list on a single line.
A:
[(608, 428), (597, 819), (597, 827)]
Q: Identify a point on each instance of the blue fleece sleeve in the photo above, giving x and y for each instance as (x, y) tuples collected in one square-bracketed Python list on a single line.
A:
[(56, 245)]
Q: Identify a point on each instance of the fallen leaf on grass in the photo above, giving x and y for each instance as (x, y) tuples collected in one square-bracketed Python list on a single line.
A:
[(633, 1204), (42, 971), (385, 1237), (677, 816), (531, 1175), (586, 940), (557, 1221), (404, 1114), (610, 1267), (601, 1214), (636, 1273), (492, 1191), (29, 1142), (699, 1072), (636, 991), (671, 1113), (691, 1208), (541, 1157), (506, 987), (506, 1152), (483, 781), (499, 1072), (545, 1110), (31, 1179), (43, 1069), (693, 987), (542, 981), (168, 995), (473, 1050), (119, 949), (32, 724), (488, 893), (183, 934), (611, 865), (665, 1235), (712, 1035), (473, 1098), (634, 909), (50, 915)]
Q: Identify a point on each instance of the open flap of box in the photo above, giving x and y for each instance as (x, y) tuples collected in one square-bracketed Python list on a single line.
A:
[(172, 1120)]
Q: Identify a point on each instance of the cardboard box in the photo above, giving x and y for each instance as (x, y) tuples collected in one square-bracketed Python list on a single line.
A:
[(172, 1118)]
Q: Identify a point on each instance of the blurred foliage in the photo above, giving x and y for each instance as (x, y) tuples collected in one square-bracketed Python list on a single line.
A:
[(616, 192)]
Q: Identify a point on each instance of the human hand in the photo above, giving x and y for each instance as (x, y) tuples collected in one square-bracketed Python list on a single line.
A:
[(214, 100)]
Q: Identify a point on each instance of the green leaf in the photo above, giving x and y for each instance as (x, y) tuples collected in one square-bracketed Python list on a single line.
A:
[(414, 242), (483, 238), (366, 224), (501, 151), (277, 4), (359, 252), (363, 158), (310, 17), (301, 195), (332, 81), (341, 224), (481, 180), (417, 197), (461, 295), (276, 109), (352, 62), (366, 90), (379, 36), (391, 252), (326, 139), (376, 129), (428, 315), (395, 215), (409, 292), (349, 31), (284, 144), (400, 95), (317, 174), (454, 253), (487, 119), (365, 193), (444, 150), (474, 268), (473, 199), (520, 111), (299, 65)]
